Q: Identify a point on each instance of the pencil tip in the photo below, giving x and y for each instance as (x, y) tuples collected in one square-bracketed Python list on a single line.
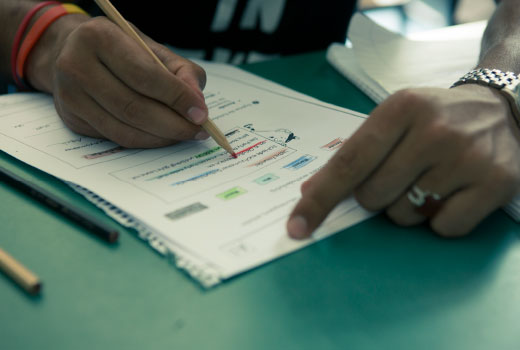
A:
[(234, 155)]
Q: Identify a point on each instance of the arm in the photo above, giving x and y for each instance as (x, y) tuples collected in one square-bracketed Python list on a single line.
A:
[(460, 143), (11, 14), (501, 42), (105, 85)]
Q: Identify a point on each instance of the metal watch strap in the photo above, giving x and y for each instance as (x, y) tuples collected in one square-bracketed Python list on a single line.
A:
[(489, 77), (506, 82)]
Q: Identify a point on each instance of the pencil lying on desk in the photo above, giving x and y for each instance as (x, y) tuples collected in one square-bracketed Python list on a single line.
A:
[(19, 273), (114, 15), (67, 209)]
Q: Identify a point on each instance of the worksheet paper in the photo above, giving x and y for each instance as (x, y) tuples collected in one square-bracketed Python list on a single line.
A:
[(215, 215)]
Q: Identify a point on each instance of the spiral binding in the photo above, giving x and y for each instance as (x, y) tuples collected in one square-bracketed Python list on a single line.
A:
[(206, 275)]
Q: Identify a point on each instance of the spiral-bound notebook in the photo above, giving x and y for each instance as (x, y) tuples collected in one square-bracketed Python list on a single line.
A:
[(380, 62), (216, 215)]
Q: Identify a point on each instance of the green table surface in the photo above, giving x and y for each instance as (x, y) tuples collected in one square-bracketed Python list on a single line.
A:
[(373, 286)]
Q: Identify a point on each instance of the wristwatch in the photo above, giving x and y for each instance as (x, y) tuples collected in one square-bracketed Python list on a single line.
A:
[(508, 83)]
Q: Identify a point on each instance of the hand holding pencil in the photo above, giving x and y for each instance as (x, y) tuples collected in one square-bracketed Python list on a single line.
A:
[(117, 18), (106, 85)]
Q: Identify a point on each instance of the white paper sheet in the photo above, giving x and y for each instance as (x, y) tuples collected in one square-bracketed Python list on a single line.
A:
[(217, 215)]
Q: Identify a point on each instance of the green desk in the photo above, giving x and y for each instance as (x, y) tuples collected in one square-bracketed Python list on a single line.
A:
[(374, 286)]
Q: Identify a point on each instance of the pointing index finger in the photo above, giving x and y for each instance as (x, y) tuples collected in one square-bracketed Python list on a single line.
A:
[(350, 166)]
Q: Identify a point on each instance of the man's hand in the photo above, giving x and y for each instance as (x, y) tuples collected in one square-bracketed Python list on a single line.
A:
[(460, 143), (105, 85)]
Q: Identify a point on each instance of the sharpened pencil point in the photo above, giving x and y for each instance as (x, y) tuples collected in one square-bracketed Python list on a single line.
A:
[(234, 155)]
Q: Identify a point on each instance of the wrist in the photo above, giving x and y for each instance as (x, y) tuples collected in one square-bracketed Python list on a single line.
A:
[(485, 94), (40, 64), (507, 84)]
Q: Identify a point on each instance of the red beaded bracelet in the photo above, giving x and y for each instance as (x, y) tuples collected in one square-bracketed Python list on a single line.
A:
[(19, 34), (36, 32)]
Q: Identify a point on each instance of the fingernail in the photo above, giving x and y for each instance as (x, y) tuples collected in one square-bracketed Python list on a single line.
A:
[(297, 227), (197, 115), (202, 135)]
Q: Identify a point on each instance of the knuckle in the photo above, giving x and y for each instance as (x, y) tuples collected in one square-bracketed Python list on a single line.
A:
[(133, 112), (66, 66), (142, 76), (344, 163), (179, 96), (419, 105), (407, 95), (97, 30), (410, 98), (367, 199), (160, 50)]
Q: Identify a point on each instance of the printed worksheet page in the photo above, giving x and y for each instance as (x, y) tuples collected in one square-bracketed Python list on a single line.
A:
[(218, 216)]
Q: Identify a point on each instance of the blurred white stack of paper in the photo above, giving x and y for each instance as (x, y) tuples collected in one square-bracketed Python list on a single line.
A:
[(381, 62)]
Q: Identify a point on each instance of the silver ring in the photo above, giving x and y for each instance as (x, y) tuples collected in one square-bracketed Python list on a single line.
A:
[(419, 197)]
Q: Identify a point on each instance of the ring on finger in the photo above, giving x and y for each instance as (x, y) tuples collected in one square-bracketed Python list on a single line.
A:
[(426, 203)]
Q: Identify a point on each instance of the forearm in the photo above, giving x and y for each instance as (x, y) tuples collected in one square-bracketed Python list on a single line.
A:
[(501, 40), (11, 15), (39, 62)]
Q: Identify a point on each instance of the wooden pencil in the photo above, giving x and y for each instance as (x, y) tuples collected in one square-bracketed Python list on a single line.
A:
[(114, 15), (19, 273)]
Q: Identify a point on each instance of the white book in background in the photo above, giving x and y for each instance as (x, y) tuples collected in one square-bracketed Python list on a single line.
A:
[(380, 62)]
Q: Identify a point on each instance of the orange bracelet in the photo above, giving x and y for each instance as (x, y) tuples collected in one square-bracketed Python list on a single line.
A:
[(37, 31), (19, 36)]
